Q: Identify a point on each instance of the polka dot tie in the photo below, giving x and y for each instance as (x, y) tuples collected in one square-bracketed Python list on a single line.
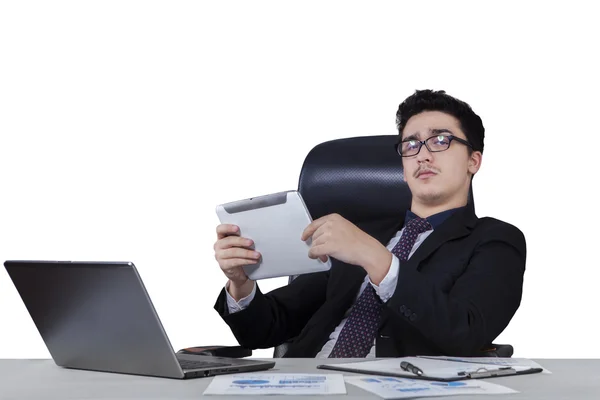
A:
[(413, 228), (358, 334)]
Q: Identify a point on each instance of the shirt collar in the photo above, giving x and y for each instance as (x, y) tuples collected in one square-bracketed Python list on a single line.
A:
[(436, 219)]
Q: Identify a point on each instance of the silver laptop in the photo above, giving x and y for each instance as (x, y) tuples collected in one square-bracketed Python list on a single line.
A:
[(98, 316)]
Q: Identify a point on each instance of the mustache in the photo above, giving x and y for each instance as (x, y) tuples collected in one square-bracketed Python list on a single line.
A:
[(425, 168)]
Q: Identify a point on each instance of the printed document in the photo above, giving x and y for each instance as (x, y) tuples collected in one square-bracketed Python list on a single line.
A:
[(402, 388), (267, 384)]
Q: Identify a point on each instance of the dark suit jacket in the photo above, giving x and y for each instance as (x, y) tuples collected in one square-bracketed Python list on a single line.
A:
[(456, 294)]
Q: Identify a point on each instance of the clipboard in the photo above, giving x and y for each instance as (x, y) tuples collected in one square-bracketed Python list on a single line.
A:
[(437, 370)]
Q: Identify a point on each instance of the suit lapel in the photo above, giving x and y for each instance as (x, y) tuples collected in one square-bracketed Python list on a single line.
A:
[(458, 225)]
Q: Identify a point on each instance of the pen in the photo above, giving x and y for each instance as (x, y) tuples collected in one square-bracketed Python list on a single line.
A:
[(406, 366)]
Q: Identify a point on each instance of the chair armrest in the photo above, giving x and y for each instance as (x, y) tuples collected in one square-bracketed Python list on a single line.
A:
[(497, 350)]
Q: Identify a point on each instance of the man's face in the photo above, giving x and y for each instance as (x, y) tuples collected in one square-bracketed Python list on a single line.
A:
[(435, 178)]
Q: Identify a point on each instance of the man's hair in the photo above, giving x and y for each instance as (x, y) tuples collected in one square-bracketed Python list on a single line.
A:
[(429, 100)]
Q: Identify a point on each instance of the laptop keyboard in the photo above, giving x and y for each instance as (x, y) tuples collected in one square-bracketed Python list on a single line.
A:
[(187, 364)]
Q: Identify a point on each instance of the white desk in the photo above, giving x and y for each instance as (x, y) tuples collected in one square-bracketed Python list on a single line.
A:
[(42, 379)]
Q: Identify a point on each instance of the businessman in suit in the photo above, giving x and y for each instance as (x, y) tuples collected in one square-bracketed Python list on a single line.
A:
[(439, 282)]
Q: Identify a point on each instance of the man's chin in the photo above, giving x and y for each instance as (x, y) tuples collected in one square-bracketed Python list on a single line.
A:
[(429, 197)]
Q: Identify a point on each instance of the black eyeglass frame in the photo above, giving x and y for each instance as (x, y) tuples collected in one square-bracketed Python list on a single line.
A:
[(424, 142)]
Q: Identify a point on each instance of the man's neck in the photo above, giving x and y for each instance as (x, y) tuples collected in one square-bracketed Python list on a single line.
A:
[(427, 210)]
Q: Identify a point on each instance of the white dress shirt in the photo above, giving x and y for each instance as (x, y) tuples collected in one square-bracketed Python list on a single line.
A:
[(385, 290)]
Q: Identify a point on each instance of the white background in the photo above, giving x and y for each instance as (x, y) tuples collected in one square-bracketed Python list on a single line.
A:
[(123, 124)]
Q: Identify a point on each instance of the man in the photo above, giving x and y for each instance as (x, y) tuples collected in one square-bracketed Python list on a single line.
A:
[(442, 282)]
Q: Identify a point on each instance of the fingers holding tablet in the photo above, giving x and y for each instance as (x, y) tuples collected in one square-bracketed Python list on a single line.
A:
[(232, 252)]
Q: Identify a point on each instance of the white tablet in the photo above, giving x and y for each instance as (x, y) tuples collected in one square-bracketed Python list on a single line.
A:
[(275, 223)]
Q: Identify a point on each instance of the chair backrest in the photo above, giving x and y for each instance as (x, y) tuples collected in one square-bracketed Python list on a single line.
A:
[(360, 178)]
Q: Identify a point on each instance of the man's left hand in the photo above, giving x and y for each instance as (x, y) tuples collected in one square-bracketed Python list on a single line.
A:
[(335, 236)]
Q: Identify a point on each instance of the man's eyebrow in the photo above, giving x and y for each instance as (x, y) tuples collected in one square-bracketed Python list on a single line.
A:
[(414, 136), (432, 132), (443, 130)]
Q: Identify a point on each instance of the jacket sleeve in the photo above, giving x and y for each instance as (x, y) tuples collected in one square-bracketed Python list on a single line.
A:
[(275, 317), (463, 317)]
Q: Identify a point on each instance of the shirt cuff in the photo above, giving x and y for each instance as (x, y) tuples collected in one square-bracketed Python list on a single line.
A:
[(387, 286), (235, 306)]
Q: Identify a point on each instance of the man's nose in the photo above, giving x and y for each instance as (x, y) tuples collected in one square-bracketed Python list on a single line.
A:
[(424, 155)]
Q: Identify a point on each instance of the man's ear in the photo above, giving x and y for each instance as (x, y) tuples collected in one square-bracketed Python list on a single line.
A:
[(475, 162)]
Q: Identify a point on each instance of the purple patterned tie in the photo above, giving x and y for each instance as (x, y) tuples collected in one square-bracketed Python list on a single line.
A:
[(357, 335), (412, 230)]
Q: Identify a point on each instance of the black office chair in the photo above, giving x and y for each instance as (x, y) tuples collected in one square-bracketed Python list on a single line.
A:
[(360, 178)]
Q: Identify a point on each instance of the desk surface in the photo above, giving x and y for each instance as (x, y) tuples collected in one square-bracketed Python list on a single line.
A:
[(36, 379)]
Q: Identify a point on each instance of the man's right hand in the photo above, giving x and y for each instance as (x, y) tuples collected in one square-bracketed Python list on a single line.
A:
[(232, 252)]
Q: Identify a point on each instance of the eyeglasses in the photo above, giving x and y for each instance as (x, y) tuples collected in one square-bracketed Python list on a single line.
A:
[(437, 143)]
